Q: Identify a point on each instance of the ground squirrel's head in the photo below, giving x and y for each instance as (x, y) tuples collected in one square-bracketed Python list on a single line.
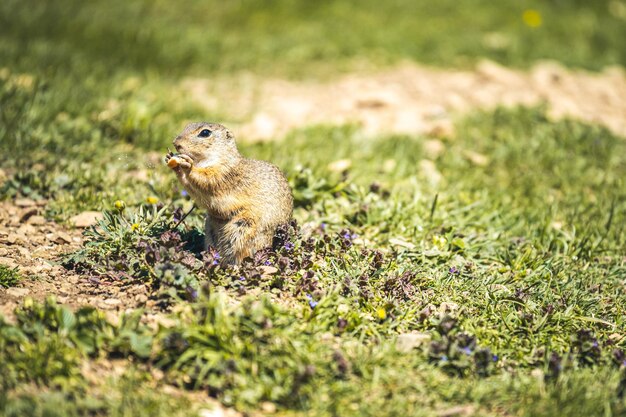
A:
[(208, 144)]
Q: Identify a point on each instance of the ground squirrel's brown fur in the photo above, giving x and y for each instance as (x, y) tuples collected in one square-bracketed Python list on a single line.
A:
[(245, 199)]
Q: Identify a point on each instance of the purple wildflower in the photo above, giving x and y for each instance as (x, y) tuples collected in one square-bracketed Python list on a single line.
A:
[(454, 270), (466, 350), (289, 246), (312, 302), (192, 293), (348, 235), (184, 193)]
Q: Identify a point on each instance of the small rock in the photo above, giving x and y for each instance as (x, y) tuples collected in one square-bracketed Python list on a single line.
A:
[(408, 341), (8, 262), (141, 298), (448, 307), (18, 292), (430, 171), (443, 129), (433, 148), (38, 269), (63, 237), (459, 410), (341, 165), (11, 239), (25, 202), (496, 72), (37, 220), (27, 214), (215, 412), (389, 165), (268, 407), (27, 230), (268, 270), (476, 158), (86, 219), (112, 302), (401, 242)]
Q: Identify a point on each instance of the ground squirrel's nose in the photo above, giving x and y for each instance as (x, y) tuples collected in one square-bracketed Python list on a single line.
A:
[(176, 143)]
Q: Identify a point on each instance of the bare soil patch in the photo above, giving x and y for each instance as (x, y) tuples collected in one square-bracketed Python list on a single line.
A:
[(412, 99), (35, 245)]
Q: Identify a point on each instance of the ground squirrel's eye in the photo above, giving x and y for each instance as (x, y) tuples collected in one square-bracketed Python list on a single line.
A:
[(205, 133)]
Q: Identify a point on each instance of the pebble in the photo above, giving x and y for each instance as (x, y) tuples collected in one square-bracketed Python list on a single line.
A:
[(25, 202), (215, 412), (28, 213), (407, 341), (459, 410), (433, 148), (9, 262), (476, 158), (11, 239), (37, 220), (63, 237), (443, 129), (341, 165), (268, 270), (18, 292), (86, 219), (268, 407)]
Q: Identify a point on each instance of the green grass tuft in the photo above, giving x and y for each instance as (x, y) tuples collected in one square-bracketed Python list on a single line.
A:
[(9, 277)]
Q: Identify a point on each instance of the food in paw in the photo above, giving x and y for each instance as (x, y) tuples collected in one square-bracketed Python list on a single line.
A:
[(173, 162)]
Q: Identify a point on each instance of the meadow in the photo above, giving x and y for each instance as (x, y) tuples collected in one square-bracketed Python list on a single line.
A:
[(487, 278)]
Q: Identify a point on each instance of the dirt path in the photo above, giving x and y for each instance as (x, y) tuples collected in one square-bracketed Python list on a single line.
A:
[(412, 99)]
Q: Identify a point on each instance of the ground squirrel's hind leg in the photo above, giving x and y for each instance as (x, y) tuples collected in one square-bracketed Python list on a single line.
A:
[(210, 233), (237, 240)]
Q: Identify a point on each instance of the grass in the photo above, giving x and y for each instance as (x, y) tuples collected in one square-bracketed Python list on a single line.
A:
[(295, 37), (490, 277), (521, 258)]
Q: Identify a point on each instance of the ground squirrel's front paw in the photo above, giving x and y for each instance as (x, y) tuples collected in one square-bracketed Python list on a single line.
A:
[(178, 161)]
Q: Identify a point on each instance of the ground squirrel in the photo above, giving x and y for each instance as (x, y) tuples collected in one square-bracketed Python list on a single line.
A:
[(246, 200)]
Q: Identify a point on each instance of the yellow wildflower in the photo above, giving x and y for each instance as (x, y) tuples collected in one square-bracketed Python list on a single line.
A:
[(382, 313), (25, 81), (120, 205), (532, 18), (152, 200), (440, 241), (134, 227)]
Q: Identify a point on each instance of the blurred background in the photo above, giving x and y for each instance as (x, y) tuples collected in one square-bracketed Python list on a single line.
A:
[(77, 77), (299, 38), (86, 51)]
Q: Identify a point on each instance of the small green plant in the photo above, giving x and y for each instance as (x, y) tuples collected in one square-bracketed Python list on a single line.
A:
[(48, 342), (9, 277), (143, 244)]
